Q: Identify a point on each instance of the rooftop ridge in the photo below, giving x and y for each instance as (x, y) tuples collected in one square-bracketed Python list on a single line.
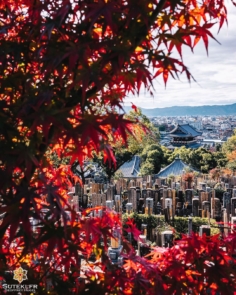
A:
[(133, 168)]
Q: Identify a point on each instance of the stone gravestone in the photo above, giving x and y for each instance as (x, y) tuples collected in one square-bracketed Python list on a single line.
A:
[(164, 197), (110, 193), (103, 199), (230, 191), (168, 205), (117, 204), (144, 193), (125, 195), (158, 210), (181, 196), (169, 193), (173, 185), (134, 198), (149, 206), (234, 193), (160, 194), (79, 191), (177, 185), (129, 208), (109, 204), (167, 238), (179, 211), (226, 199), (123, 184), (158, 182), (195, 206), (138, 193), (132, 183), (233, 206), (84, 201), (202, 186), (203, 197), (188, 196), (208, 194), (76, 202), (174, 201), (140, 207), (118, 187), (156, 197), (205, 209), (217, 209), (150, 193), (208, 189), (94, 200), (225, 220), (95, 188)]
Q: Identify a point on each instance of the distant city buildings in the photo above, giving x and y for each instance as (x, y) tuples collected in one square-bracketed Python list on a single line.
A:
[(214, 130)]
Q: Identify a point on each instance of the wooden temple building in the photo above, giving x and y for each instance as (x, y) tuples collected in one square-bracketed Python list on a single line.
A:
[(184, 135)]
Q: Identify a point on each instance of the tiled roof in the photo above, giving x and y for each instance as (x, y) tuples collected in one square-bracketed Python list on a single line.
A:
[(175, 168), (195, 145), (185, 130), (131, 168)]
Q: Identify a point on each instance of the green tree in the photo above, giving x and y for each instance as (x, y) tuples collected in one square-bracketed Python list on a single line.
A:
[(152, 159), (147, 168), (181, 152), (202, 159), (221, 158), (229, 149), (230, 145), (122, 155), (167, 156), (143, 135)]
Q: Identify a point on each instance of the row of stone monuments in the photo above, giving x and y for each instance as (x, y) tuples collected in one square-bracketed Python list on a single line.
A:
[(155, 197), (160, 200)]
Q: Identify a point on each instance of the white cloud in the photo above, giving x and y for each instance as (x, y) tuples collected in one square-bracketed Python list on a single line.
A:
[(215, 74)]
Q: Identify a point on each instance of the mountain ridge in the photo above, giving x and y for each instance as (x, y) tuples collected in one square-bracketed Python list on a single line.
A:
[(205, 110)]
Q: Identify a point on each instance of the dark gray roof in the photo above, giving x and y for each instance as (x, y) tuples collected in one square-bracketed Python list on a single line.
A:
[(131, 168), (184, 130), (194, 145), (177, 167)]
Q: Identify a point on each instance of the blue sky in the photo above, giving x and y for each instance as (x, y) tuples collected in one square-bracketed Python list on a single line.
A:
[(215, 74)]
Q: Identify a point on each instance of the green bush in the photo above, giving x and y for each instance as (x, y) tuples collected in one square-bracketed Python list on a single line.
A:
[(180, 224)]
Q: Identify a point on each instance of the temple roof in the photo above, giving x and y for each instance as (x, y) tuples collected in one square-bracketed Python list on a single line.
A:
[(177, 167), (193, 145), (131, 168), (184, 130)]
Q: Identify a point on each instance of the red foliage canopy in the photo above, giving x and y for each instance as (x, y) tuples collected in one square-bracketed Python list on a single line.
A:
[(65, 68)]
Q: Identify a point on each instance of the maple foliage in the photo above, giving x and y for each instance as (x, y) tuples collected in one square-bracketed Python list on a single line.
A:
[(65, 69)]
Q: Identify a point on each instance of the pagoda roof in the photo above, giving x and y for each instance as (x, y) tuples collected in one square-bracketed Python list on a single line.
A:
[(184, 130), (176, 168)]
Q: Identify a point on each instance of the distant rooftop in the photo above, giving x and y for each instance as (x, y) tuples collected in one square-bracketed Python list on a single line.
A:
[(131, 168), (213, 140), (193, 145), (177, 167), (184, 130)]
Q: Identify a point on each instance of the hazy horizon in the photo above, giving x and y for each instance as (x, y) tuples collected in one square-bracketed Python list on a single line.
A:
[(174, 106), (215, 74)]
